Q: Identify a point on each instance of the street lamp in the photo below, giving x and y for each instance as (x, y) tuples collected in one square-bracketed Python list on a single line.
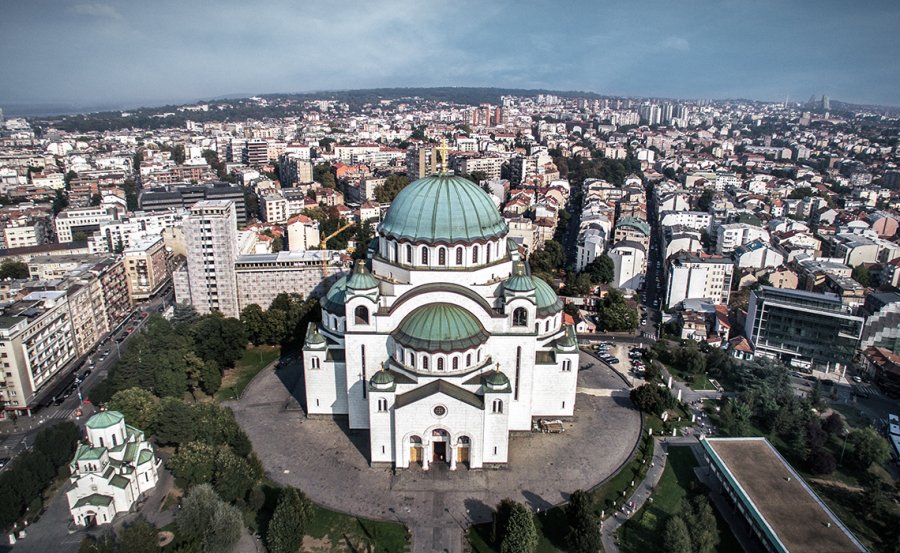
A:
[(844, 447)]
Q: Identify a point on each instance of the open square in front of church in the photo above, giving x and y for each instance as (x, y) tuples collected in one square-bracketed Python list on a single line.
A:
[(331, 465)]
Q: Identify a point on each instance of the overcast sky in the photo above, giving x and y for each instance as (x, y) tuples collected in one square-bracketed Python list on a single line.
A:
[(91, 53)]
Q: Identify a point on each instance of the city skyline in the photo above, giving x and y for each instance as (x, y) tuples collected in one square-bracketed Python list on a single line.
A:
[(90, 54)]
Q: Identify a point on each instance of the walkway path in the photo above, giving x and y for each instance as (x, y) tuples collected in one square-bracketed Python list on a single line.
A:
[(611, 525)]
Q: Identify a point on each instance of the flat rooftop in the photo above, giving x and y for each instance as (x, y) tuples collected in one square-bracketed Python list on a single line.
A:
[(794, 515)]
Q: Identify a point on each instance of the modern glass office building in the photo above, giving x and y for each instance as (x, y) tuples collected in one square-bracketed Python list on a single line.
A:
[(804, 329)]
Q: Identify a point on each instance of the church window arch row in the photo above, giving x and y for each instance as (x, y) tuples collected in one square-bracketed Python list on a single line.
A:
[(457, 256), (436, 361)]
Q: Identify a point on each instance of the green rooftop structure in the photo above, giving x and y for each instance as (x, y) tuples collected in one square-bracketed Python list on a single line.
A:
[(333, 302), (361, 278), (104, 419), (546, 299), (444, 209), (440, 327)]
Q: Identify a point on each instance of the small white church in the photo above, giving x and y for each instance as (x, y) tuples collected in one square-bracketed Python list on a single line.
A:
[(441, 342), (111, 471)]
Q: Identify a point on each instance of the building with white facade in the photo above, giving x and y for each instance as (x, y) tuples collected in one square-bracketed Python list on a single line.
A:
[(302, 233), (757, 255), (83, 219), (210, 233), (733, 235), (111, 471), (629, 265), (441, 342), (693, 277)]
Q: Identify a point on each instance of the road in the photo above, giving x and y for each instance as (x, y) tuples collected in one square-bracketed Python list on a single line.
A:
[(17, 436)]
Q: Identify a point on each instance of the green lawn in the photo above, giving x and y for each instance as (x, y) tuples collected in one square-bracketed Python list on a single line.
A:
[(337, 532), (644, 531), (695, 381), (254, 360)]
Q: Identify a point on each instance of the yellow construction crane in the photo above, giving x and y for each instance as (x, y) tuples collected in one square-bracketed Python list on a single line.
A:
[(322, 245)]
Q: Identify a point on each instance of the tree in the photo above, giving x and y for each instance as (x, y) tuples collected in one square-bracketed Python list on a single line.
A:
[(601, 269), (862, 275), (735, 418), (615, 314), (219, 339), (690, 359), (579, 285), (867, 448), (234, 475), (174, 422), (193, 464), (184, 313), (11, 268), (676, 537), (706, 199), (820, 461), (288, 524), (518, 534), (651, 398), (137, 404), (701, 523), (209, 522), (393, 184), (833, 424), (138, 537), (60, 202), (584, 530), (322, 174), (254, 319), (548, 259)]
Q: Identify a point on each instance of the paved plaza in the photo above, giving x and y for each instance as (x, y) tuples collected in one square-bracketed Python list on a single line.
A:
[(329, 463)]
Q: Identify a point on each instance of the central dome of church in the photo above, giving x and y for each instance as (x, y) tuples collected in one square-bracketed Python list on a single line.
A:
[(444, 209), (440, 327)]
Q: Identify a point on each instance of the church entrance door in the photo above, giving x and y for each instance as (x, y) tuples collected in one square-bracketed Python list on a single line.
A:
[(440, 452)]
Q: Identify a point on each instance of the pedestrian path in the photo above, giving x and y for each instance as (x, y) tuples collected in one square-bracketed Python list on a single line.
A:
[(611, 525)]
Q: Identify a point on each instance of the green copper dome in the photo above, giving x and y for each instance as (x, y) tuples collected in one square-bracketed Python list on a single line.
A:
[(444, 209), (546, 299), (496, 380), (440, 327), (382, 379), (520, 281), (104, 419), (333, 302), (361, 278)]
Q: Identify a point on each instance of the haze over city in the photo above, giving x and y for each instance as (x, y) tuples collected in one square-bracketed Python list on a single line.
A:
[(114, 53)]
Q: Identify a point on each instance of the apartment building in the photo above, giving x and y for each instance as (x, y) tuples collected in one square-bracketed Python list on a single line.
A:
[(146, 267), (693, 277), (83, 221), (210, 232), (294, 272), (733, 235), (302, 233)]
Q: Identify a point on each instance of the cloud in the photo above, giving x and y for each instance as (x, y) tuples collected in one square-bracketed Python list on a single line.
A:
[(96, 9), (676, 43)]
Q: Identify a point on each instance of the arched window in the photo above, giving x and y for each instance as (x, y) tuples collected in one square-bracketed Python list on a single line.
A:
[(487, 254), (479, 356), (520, 317), (497, 406), (442, 256), (408, 253), (474, 254), (314, 362), (468, 359), (456, 363), (424, 255), (547, 326), (412, 360), (440, 365), (567, 365), (463, 440), (459, 255), (362, 315), (382, 405), (415, 440), (425, 362)]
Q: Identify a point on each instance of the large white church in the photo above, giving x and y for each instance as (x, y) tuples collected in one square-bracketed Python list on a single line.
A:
[(441, 342)]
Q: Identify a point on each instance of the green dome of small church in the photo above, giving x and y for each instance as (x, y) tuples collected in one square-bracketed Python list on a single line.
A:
[(520, 281), (333, 302), (444, 209), (546, 299), (440, 327)]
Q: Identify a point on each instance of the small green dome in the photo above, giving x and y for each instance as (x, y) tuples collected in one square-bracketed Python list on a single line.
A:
[(520, 281), (361, 278), (104, 419), (440, 327), (333, 302), (546, 299), (443, 209), (382, 379), (496, 380)]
